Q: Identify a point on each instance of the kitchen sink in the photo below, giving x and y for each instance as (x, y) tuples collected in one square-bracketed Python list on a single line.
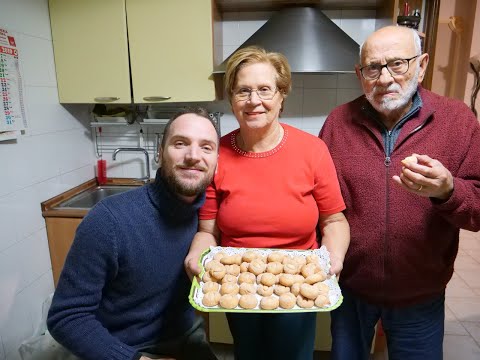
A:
[(88, 198)]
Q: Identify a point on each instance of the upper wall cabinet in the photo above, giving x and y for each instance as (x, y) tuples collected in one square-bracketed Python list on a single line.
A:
[(166, 57), (171, 50), (91, 50)]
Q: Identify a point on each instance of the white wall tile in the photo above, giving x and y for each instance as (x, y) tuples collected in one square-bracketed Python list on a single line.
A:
[(230, 33), (346, 95), (8, 222), (318, 102), (16, 326), (293, 108), (36, 294), (36, 60), (228, 123), (45, 114), (358, 24), (28, 260), (248, 28), (228, 50), (297, 80), (348, 81), (2, 352), (76, 177), (320, 81), (26, 16)]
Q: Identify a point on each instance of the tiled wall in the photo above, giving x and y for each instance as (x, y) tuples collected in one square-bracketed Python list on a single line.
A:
[(53, 155)]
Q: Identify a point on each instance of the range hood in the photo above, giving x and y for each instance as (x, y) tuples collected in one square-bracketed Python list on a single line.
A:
[(311, 42)]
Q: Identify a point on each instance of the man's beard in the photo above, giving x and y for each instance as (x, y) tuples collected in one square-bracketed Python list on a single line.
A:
[(180, 187), (387, 104)]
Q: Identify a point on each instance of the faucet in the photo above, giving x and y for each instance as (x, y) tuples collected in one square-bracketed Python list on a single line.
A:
[(146, 178)]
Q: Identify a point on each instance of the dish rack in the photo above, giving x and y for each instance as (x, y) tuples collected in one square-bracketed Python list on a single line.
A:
[(110, 133)]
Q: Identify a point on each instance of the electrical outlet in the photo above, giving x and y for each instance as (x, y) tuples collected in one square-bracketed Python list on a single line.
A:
[(475, 61)]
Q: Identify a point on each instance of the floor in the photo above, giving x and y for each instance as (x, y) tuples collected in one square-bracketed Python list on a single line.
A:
[(462, 310)]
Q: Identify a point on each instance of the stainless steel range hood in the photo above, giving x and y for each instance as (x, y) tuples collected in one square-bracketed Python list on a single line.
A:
[(311, 42)]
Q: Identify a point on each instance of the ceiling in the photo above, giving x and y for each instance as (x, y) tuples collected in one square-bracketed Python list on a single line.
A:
[(269, 5)]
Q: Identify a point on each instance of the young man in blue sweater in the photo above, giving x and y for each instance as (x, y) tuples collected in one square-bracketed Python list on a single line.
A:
[(123, 292)]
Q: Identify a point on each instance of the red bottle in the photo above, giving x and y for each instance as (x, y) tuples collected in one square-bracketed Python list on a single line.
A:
[(102, 172)]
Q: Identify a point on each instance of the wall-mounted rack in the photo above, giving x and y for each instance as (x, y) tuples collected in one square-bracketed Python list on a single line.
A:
[(111, 133)]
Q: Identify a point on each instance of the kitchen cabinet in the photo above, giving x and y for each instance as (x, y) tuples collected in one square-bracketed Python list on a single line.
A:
[(91, 50), (167, 56), (60, 232)]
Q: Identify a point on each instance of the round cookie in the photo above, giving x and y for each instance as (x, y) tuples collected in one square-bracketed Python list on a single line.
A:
[(211, 299), (268, 279), (264, 290), (233, 269), (269, 303), (247, 277), (304, 302), (322, 301), (228, 301), (248, 301), (246, 288), (210, 286), (275, 256), (287, 280), (295, 289), (249, 255), (309, 291), (257, 266), (275, 267), (229, 288), (287, 300), (229, 278), (280, 289)]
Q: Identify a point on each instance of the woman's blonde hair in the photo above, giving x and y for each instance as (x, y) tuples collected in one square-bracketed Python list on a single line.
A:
[(253, 55)]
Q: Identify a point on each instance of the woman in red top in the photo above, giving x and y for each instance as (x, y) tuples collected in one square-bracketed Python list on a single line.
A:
[(273, 186)]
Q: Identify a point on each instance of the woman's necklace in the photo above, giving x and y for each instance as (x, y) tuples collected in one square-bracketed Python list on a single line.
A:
[(273, 144), (238, 145)]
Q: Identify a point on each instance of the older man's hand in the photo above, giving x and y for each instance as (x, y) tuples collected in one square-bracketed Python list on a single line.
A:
[(427, 178)]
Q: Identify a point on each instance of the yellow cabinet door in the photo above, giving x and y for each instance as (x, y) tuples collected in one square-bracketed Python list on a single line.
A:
[(171, 50), (91, 50)]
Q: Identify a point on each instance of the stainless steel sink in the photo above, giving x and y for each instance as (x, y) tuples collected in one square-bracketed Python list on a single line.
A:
[(88, 198)]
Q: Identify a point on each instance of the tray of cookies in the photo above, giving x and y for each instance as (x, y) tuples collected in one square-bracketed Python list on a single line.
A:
[(265, 280)]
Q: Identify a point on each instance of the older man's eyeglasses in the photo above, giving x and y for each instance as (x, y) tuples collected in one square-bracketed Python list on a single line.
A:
[(264, 93), (394, 67)]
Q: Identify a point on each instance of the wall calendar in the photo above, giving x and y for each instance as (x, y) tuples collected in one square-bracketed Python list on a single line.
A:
[(12, 108)]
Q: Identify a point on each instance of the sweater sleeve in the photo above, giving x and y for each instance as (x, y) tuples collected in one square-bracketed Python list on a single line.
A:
[(91, 262), (462, 209), (327, 189)]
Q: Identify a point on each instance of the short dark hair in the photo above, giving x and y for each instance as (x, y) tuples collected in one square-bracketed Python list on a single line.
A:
[(200, 111)]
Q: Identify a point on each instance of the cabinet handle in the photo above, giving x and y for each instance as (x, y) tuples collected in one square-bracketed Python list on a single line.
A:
[(156, 98), (106, 99)]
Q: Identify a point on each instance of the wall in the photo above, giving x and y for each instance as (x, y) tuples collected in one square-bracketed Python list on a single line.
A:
[(53, 155), (474, 50), (451, 70)]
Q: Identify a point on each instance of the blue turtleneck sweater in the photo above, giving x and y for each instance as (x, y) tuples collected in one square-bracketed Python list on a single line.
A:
[(123, 286)]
